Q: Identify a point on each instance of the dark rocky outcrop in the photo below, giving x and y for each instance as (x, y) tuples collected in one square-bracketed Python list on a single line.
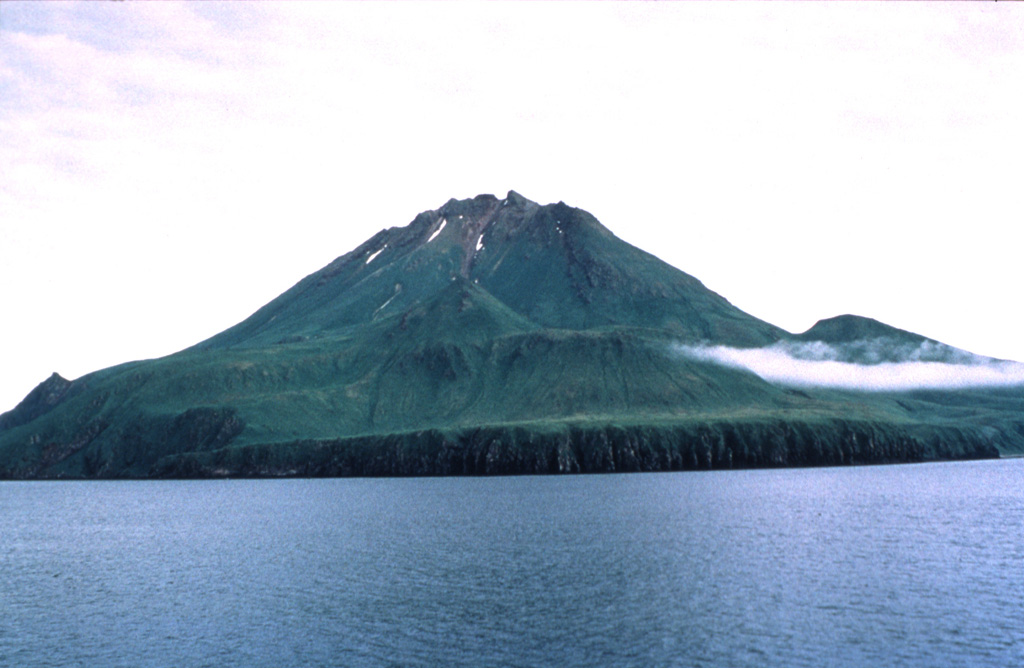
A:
[(578, 449), (45, 397)]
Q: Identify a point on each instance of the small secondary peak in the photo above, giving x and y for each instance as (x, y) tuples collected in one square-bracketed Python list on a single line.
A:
[(845, 328)]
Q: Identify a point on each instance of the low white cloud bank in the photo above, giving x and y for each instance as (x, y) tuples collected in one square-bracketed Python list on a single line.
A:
[(864, 365)]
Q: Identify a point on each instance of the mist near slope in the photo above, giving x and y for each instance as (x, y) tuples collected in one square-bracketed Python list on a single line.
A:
[(875, 365)]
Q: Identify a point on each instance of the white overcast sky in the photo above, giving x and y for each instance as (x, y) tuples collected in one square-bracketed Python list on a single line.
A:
[(166, 169)]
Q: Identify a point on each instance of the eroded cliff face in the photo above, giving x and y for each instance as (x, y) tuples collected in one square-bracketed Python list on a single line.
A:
[(580, 449)]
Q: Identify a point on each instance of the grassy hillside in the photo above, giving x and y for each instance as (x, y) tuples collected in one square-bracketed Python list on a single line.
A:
[(486, 337)]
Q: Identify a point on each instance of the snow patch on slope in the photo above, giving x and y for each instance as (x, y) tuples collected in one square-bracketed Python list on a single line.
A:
[(444, 221)]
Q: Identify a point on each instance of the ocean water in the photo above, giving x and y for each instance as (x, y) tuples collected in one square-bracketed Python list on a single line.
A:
[(917, 565)]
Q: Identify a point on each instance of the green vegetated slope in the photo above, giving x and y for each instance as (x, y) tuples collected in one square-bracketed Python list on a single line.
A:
[(489, 336)]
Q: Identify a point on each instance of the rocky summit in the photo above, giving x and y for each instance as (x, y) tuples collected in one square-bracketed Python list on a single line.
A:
[(500, 336)]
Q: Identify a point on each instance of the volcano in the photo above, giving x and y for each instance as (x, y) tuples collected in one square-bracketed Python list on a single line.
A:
[(500, 336)]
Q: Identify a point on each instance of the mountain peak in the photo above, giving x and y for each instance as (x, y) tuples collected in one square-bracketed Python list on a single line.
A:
[(481, 205), (39, 401), (515, 199), (554, 264), (489, 336), (473, 207), (846, 328)]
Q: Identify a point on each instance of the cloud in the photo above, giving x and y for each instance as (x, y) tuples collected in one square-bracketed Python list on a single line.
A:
[(872, 365)]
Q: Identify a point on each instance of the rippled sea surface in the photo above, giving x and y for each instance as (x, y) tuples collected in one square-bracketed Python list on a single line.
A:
[(917, 565)]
